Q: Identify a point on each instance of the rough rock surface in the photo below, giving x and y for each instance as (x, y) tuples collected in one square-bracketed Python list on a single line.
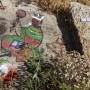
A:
[(80, 12), (50, 27)]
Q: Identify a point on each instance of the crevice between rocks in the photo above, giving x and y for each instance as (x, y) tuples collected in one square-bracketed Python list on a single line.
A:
[(69, 31)]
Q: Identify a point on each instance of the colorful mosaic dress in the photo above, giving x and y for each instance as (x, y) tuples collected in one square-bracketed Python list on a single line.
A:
[(31, 36)]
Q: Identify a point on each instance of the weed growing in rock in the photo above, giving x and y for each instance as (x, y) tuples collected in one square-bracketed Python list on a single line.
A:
[(69, 72)]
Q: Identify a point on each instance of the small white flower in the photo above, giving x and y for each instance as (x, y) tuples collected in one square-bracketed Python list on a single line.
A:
[(88, 73)]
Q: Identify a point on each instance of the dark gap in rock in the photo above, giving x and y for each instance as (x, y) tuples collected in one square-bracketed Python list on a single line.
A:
[(69, 32)]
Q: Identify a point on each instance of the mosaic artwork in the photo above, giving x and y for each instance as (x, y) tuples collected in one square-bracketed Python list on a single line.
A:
[(29, 39)]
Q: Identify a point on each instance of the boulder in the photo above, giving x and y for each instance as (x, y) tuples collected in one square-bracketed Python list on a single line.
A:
[(51, 31), (81, 19)]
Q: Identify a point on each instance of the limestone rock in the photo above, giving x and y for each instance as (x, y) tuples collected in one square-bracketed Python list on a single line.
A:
[(81, 15), (51, 31)]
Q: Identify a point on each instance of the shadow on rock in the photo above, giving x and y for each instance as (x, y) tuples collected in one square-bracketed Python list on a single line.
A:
[(69, 32)]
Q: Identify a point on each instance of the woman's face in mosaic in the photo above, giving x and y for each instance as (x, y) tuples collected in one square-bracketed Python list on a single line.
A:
[(35, 22)]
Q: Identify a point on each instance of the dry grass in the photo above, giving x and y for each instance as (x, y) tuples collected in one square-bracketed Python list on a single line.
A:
[(57, 5)]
